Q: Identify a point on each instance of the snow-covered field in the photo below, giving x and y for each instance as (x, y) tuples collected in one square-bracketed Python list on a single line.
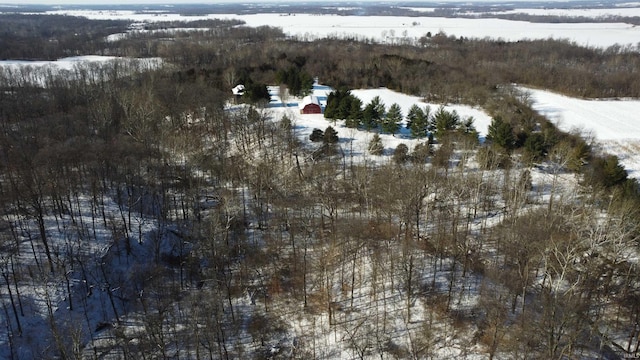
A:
[(64, 63), (587, 13), (355, 142), (613, 124), (70, 63), (625, 10), (395, 28), (386, 27), (68, 66)]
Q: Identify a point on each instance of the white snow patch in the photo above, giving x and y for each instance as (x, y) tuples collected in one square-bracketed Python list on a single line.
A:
[(614, 123), (63, 63), (586, 13), (355, 142), (68, 66)]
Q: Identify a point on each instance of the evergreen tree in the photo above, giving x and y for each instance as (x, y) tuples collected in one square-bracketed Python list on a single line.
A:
[(332, 104), (501, 134), (468, 129), (378, 107), (607, 172), (368, 117), (467, 126), (373, 113), (344, 107), (579, 155), (392, 119), (299, 82), (418, 121), (330, 136), (257, 92), (316, 135), (535, 147), (285, 123), (355, 113), (444, 121), (329, 141), (306, 84), (414, 113)]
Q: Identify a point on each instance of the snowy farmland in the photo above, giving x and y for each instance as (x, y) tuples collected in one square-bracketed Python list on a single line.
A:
[(398, 28), (39, 72), (393, 29), (613, 124)]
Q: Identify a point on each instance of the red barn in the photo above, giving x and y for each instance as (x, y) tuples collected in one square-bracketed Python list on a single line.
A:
[(310, 105)]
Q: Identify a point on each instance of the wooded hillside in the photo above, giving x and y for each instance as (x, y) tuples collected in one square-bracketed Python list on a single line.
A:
[(143, 216)]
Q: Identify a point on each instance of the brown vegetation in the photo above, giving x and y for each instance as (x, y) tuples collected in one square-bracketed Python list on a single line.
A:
[(255, 241)]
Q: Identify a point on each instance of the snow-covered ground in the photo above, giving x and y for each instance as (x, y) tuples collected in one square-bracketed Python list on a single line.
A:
[(67, 66), (70, 62), (355, 142), (64, 63), (613, 124), (382, 27), (394, 28), (624, 10), (358, 315), (587, 13)]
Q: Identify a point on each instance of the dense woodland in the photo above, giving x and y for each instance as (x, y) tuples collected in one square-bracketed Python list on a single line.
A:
[(142, 217)]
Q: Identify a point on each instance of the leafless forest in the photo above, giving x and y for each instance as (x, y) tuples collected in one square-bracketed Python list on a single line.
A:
[(142, 217)]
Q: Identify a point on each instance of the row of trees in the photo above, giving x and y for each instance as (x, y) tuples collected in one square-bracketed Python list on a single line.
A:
[(453, 70), (50, 37), (422, 122), (534, 138), (298, 82)]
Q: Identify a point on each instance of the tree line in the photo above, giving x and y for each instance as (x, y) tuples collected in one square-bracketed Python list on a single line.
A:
[(50, 37)]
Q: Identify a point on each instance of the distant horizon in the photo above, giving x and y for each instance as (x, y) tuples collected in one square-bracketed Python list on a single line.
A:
[(213, 2)]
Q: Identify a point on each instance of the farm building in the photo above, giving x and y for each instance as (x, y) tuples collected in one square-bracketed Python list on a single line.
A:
[(310, 105), (238, 90)]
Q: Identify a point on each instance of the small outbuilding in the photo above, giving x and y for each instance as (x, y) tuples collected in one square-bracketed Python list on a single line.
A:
[(310, 105), (238, 90)]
